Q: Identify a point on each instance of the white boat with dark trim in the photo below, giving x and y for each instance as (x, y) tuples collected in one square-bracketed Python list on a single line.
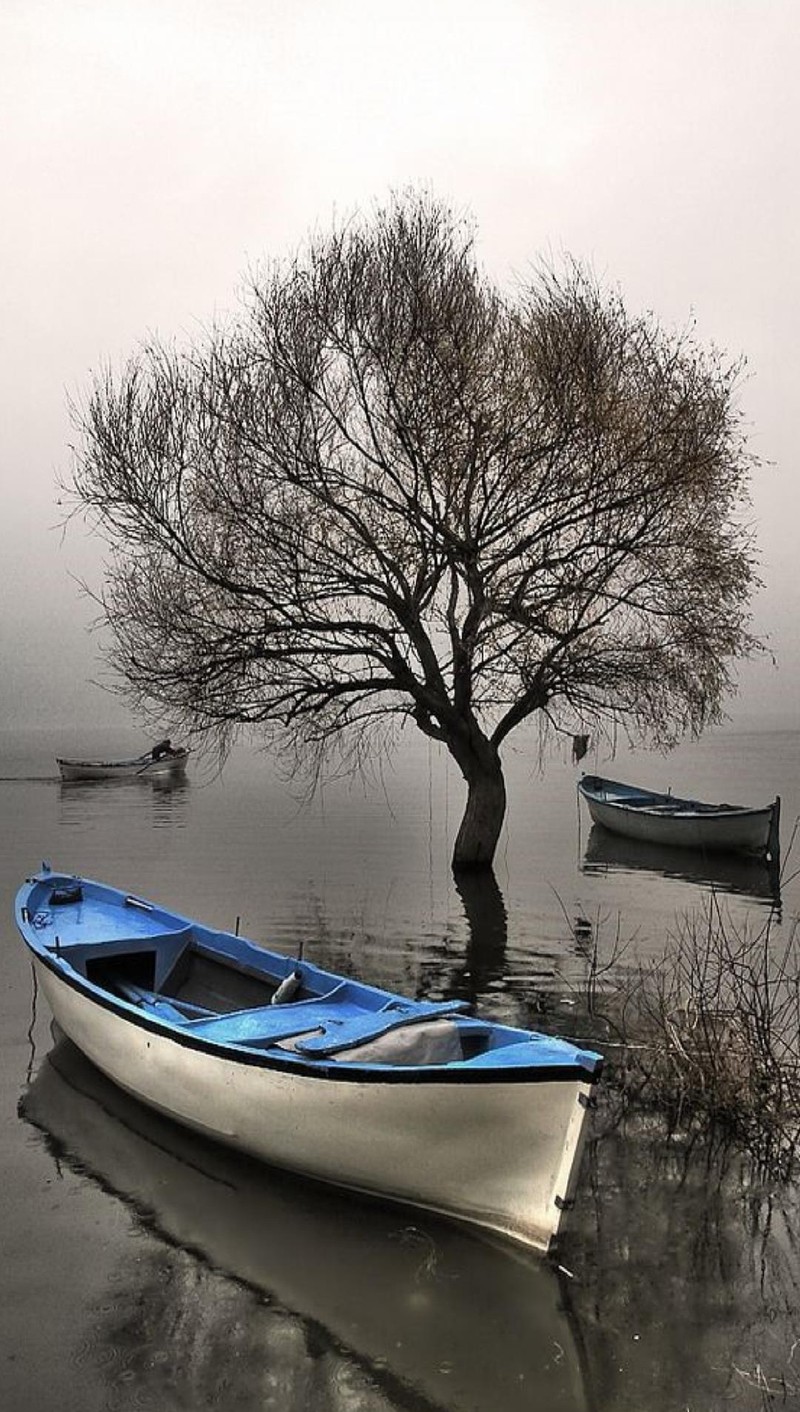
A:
[(411, 1100), (162, 762), (681, 823)]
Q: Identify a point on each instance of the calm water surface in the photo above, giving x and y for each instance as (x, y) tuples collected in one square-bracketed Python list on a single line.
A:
[(145, 1268)]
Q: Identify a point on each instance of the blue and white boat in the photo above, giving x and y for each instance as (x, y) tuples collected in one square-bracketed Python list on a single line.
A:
[(410, 1100)]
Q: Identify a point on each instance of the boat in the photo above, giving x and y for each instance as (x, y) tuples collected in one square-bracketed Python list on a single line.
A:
[(414, 1101), (408, 1302), (162, 762), (666, 819)]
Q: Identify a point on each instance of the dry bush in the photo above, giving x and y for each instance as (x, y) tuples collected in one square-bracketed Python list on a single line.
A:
[(708, 1034)]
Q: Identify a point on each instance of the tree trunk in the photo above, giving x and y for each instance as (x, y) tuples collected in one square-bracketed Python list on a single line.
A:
[(484, 814)]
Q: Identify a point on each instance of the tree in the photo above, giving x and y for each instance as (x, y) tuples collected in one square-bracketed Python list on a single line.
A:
[(389, 491)]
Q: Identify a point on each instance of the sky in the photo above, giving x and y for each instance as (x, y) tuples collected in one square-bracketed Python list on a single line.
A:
[(154, 150)]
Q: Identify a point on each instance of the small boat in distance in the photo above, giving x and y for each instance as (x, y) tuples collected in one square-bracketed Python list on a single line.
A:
[(163, 761), (666, 819), (409, 1100)]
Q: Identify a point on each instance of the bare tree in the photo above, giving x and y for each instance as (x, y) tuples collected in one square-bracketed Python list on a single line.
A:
[(390, 491)]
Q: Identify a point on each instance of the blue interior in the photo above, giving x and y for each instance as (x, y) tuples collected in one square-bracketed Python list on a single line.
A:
[(221, 989)]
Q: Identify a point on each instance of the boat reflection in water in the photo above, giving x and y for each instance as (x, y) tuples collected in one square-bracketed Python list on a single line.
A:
[(724, 872), (434, 1312), (160, 799)]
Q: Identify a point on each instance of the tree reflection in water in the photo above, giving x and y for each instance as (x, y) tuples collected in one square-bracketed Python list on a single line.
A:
[(487, 931)]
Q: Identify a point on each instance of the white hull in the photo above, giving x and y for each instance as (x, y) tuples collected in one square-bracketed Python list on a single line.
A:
[(747, 831), (501, 1155)]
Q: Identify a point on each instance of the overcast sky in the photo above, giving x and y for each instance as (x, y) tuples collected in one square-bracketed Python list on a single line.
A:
[(154, 149)]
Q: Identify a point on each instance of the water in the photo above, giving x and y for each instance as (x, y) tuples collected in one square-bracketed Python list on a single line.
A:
[(146, 1268)]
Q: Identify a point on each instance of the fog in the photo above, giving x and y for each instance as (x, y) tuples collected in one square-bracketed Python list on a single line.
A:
[(155, 149)]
